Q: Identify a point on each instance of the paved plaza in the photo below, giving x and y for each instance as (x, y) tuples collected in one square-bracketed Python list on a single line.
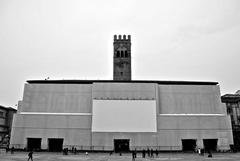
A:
[(45, 156)]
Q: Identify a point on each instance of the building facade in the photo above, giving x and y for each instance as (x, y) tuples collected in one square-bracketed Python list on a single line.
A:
[(6, 117), (232, 102), (121, 114)]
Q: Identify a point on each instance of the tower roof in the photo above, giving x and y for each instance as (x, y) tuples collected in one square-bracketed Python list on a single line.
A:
[(122, 38)]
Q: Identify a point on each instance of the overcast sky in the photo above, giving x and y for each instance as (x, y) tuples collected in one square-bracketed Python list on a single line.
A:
[(185, 40)]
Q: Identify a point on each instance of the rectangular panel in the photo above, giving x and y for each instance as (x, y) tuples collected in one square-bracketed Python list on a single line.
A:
[(124, 91), (124, 116), (190, 99)]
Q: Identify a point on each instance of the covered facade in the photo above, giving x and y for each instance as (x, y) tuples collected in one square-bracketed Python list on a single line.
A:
[(183, 115)]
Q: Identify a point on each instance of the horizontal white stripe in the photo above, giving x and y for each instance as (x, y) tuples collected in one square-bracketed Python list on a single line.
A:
[(181, 114), (192, 114), (47, 113)]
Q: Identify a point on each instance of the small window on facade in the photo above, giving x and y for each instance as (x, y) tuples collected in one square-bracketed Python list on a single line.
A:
[(1, 114), (238, 119), (229, 111), (122, 54), (121, 73), (118, 54)]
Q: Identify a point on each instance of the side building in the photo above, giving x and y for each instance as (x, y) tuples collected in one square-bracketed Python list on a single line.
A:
[(106, 115), (6, 117), (232, 102)]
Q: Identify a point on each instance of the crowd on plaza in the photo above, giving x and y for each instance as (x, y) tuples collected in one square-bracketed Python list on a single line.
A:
[(150, 153)]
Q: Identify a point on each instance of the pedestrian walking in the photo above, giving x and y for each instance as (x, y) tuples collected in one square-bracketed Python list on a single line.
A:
[(133, 155), (12, 150), (156, 153), (148, 152), (151, 151), (199, 151), (30, 155), (202, 152), (7, 149), (209, 154), (143, 153)]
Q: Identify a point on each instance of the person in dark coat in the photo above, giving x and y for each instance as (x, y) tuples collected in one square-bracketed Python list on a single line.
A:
[(12, 150), (202, 151), (143, 153), (151, 153), (209, 154), (133, 155), (7, 149), (75, 150), (30, 155), (148, 152), (156, 153)]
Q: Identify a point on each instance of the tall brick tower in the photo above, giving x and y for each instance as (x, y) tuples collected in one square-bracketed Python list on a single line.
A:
[(122, 58)]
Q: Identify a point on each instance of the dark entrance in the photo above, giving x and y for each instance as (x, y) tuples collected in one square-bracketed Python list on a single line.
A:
[(121, 145), (55, 144), (188, 144), (34, 144), (210, 144)]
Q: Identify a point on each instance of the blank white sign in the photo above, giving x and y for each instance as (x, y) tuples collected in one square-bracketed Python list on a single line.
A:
[(124, 116)]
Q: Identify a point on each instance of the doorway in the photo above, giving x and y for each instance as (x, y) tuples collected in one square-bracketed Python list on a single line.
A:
[(121, 145), (210, 144), (188, 144), (34, 144), (55, 144)]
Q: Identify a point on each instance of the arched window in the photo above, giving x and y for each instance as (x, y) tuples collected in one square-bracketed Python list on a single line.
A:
[(126, 54), (118, 54), (122, 54)]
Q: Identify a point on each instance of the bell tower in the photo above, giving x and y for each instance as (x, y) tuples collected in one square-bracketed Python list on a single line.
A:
[(122, 58)]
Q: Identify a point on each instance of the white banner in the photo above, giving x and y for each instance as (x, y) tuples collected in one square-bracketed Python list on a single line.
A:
[(124, 116)]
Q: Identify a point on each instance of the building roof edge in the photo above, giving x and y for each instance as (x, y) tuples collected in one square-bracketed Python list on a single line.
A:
[(161, 82)]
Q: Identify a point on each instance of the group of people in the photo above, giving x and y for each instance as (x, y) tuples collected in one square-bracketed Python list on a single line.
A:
[(10, 149), (201, 152), (65, 151), (148, 152), (73, 150)]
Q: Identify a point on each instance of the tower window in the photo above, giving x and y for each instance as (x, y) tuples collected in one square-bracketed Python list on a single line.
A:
[(122, 54), (126, 54), (118, 54)]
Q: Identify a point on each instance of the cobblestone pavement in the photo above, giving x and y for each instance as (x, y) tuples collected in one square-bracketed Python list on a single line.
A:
[(44, 156)]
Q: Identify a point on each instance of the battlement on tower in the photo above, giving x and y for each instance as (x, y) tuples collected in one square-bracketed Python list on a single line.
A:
[(122, 38)]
